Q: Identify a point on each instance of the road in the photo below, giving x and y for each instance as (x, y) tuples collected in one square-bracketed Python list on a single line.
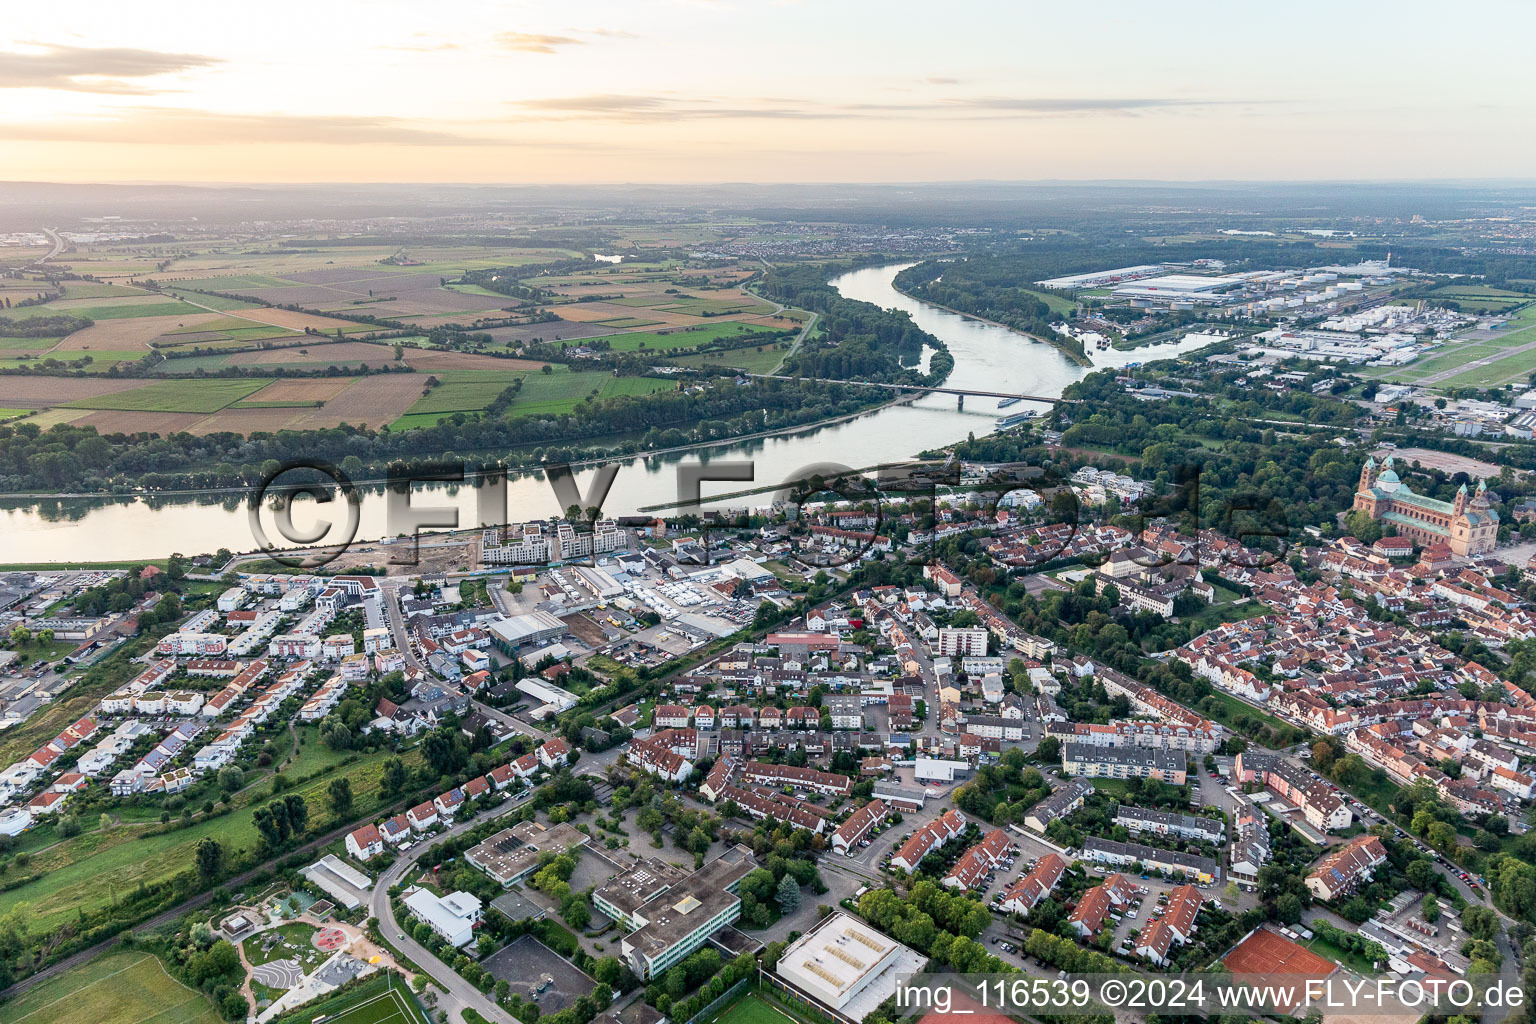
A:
[(391, 601), (458, 993), (795, 345)]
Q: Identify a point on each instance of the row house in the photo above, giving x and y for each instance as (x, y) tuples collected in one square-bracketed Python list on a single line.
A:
[(852, 833), (761, 803), (974, 864), (927, 839), (765, 774), (323, 700), (1025, 894), (1175, 926), (1341, 870)]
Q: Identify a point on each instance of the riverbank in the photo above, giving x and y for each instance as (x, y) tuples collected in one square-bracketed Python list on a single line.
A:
[(1055, 343)]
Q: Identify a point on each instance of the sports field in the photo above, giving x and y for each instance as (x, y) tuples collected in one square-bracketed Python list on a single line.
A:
[(121, 988), (391, 1006), (753, 1009)]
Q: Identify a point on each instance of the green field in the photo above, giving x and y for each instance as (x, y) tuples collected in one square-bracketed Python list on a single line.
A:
[(10, 414), (122, 311), (119, 988), (466, 390), (1497, 360), (101, 358), (752, 1009), (1059, 305), (748, 359), (97, 868), (691, 337), (542, 394), (176, 396), (375, 1002), (88, 290)]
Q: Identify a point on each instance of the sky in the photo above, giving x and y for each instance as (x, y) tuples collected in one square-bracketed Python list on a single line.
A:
[(716, 90)]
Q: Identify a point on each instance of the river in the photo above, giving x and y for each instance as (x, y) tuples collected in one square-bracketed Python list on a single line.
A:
[(986, 357)]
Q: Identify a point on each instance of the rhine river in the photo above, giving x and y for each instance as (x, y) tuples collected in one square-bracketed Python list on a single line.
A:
[(986, 357)]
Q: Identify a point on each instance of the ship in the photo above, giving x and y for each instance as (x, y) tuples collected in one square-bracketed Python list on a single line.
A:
[(1014, 420), (1005, 403)]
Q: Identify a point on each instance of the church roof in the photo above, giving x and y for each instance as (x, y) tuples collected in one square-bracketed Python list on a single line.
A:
[(1403, 496)]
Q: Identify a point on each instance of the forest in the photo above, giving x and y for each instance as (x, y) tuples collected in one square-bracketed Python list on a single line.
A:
[(861, 341)]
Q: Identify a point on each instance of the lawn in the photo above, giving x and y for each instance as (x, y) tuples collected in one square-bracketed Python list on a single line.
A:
[(10, 414), (120, 988), (294, 943), (177, 395), (1354, 961), (752, 1009)]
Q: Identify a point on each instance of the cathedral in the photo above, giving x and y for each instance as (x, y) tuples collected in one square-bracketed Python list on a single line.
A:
[(1469, 526)]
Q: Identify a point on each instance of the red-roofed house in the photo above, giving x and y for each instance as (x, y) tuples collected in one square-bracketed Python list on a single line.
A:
[(365, 842)]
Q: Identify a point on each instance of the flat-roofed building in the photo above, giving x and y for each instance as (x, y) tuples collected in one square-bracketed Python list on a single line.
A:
[(845, 967), (513, 853), (682, 917), (624, 894)]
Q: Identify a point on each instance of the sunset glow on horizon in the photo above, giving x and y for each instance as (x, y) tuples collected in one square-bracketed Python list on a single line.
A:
[(692, 91)]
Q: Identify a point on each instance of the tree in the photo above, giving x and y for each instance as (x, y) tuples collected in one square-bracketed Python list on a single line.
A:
[(395, 776), (231, 778), (788, 895), (1288, 908), (298, 813), (340, 794), (1049, 749), (1430, 908), (210, 859)]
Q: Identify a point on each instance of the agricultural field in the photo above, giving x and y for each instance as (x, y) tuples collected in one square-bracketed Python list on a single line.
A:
[(683, 338), (542, 394), (123, 988), (1480, 298), (664, 309), (177, 396)]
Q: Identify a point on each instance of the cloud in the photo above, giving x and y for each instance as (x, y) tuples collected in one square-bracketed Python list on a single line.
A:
[(88, 69), (625, 107), (176, 127), (1073, 104), (533, 42), (942, 80), (658, 108)]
